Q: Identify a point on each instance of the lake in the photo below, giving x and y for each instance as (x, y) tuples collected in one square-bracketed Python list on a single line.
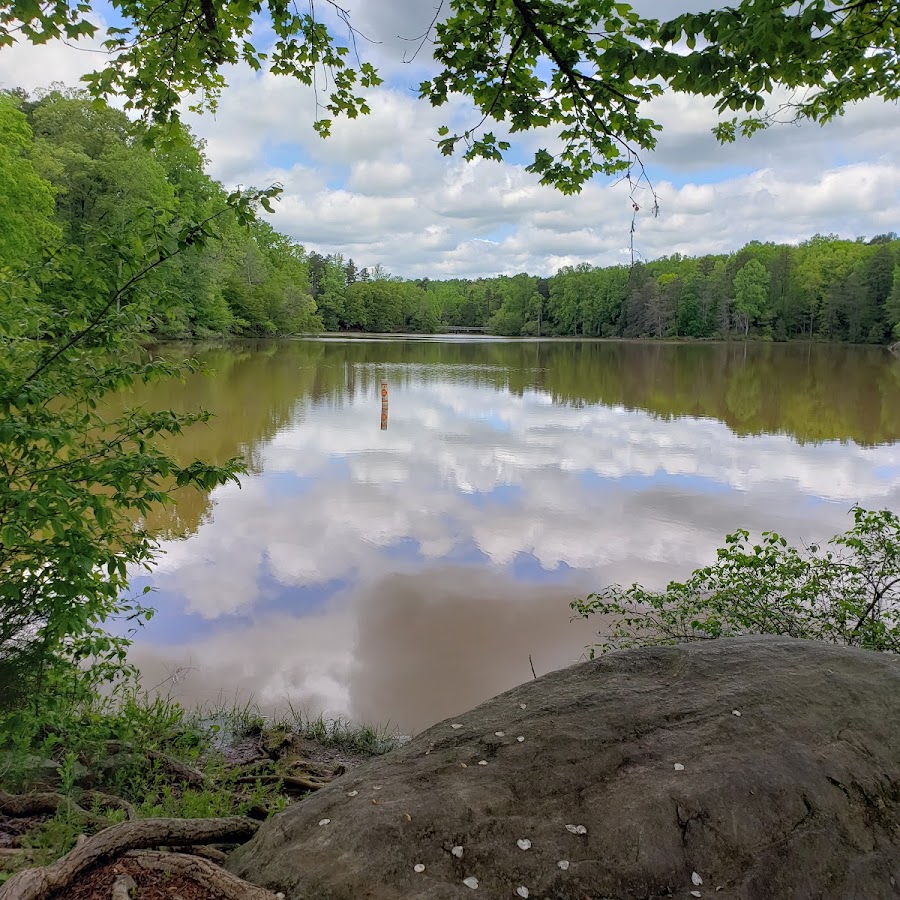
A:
[(400, 565)]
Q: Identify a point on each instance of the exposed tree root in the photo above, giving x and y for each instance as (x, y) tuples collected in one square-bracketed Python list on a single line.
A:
[(39, 803), (223, 884), (211, 853), (34, 884), (113, 801), (36, 803), (316, 770), (46, 803), (290, 783)]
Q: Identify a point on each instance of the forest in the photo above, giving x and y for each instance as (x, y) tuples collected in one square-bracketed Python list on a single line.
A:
[(73, 167)]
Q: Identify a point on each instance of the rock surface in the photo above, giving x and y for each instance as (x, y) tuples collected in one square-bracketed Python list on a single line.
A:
[(796, 797)]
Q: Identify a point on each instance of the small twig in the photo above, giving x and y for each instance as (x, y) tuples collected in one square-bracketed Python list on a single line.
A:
[(423, 38), (532, 666)]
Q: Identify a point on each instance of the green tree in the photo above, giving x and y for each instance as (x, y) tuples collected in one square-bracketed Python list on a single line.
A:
[(584, 68), (751, 293), (422, 312), (26, 199), (76, 483), (382, 304), (892, 307), (692, 319), (102, 173), (333, 296)]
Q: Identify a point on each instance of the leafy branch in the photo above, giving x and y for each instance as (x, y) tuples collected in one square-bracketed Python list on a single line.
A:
[(847, 592)]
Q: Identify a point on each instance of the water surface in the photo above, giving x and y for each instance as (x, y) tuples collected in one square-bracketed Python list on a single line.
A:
[(406, 573)]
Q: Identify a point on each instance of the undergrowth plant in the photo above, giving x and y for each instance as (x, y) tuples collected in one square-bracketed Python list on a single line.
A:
[(846, 591)]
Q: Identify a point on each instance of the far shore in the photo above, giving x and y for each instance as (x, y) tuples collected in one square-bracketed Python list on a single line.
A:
[(482, 337)]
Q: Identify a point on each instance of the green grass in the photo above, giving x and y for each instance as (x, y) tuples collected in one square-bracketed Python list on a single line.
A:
[(340, 733), (74, 742), (223, 721)]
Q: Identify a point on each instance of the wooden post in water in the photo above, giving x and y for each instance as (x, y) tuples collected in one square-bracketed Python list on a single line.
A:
[(384, 404)]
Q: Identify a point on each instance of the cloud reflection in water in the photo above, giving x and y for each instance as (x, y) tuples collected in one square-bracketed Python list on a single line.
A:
[(407, 574)]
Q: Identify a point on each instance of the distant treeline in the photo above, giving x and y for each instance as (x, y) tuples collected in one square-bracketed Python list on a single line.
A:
[(825, 288), (71, 170)]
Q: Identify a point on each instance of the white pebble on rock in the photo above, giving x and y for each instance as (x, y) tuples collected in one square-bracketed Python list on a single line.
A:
[(471, 882), (520, 738), (679, 767), (522, 706), (482, 762), (696, 879), (563, 864), (736, 712), (418, 867), (696, 894), (576, 829), (457, 852), (352, 793), (456, 725), (522, 891), (324, 821), (524, 844), (500, 734)]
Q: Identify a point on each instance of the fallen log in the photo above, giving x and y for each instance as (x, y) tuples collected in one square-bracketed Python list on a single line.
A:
[(34, 884)]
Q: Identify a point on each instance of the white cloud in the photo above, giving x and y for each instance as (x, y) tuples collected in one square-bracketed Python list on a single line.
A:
[(402, 650), (349, 592), (379, 191), (447, 441), (383, 192), (32, 67)]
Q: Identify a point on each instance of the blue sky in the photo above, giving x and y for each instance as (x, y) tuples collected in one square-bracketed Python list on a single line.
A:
[(379, 191)]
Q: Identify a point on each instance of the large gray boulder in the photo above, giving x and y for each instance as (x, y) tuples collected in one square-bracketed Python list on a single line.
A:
[(767, 767)]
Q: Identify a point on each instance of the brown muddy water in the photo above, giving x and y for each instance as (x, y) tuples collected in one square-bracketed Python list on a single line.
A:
[(400, 565)]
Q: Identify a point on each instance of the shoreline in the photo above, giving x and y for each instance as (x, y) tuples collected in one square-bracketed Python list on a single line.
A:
[(148, 760), (463, 338)]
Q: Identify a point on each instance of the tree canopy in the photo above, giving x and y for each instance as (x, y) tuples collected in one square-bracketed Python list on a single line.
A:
[(71, 168), (580, 68)]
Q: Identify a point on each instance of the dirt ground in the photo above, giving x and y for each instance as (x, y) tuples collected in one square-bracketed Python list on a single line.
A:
[(97, 885)]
